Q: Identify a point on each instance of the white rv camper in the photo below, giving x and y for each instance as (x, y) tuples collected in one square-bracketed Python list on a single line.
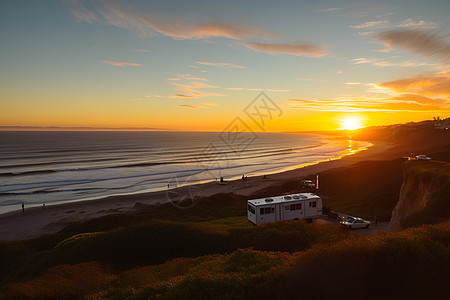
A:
[(287, 207)]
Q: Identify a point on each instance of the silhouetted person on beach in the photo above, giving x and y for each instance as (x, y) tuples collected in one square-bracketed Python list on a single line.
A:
[(23, 207), (221, 179), (243, 178)]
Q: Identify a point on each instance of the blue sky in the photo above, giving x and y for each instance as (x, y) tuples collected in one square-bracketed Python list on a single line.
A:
[(194, 65)]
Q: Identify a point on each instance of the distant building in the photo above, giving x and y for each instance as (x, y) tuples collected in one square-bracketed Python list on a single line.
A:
[(442, 124)]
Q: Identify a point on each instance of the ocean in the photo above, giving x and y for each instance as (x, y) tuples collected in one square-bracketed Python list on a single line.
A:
[(55, 167)]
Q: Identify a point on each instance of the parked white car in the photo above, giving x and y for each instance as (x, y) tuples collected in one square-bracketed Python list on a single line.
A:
[(352, 223), (423, 157), (308, 184)]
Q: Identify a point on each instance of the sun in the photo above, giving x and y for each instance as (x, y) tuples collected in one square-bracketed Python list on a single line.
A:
[(351, 124)]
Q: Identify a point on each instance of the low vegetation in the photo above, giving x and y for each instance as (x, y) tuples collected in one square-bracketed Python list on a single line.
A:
[(413, 264)]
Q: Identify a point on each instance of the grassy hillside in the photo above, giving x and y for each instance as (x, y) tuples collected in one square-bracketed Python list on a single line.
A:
[(125, 241), (413, 264), (366, 189)]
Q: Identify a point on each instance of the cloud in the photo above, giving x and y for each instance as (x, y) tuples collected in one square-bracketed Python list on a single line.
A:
[(182, 96), (418, 99), (80, 12), (221, 65), (187, 84), (329, 9), (383, 63), (416, 23), (210, 104), (147, 22), (292, 49), (384, 50), (189, 106), (370, 24), (361, 104), (121, 64), (353, 83), (424, 85), (423, 42)]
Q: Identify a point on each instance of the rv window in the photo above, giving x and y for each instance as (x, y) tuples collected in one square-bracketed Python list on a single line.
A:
[(297, 206), (251, 209), (313, 204), (286, 208), (268, 210), (261, 211)]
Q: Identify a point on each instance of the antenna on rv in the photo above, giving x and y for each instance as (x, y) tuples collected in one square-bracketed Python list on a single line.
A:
[(317, 182)]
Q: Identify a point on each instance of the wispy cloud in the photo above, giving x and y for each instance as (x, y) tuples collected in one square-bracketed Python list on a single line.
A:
[(423, 42), (148, 22), (408, 23), (190, 87), (361, 104), (188, 106), (81, 12), (182, 96), (221, 65), (383, 63), (437, 85), (353, 83), (371, 24), (121, 64), (416, 23), (329, 9), (292, 49), (210, 104)]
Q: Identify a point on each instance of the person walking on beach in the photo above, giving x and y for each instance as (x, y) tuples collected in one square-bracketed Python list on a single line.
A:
[(23, 207)]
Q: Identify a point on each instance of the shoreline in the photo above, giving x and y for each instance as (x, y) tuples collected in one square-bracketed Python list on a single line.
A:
[(348, 150), (36, 221)]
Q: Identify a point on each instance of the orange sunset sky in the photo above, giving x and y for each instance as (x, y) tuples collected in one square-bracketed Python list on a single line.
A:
[(196, 65)]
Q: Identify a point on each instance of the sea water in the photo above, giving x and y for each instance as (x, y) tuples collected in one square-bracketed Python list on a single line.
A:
[(54, 167)]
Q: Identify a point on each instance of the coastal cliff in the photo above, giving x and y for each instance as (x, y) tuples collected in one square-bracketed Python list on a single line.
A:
[(424, 195)]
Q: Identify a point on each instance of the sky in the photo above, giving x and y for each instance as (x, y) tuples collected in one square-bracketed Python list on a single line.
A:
[(199, 65)]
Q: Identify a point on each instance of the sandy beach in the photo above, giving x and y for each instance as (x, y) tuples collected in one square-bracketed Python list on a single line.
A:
[(37, 221)]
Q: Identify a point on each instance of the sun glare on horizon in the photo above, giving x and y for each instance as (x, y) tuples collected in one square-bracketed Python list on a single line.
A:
[(351, 124)]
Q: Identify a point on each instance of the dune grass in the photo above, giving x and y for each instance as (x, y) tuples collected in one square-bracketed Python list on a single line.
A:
[(412, 264)]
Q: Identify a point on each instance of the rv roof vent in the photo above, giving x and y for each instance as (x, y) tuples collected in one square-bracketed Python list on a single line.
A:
[(303, 196), (287, 197), (269, 199), (296, 197)]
